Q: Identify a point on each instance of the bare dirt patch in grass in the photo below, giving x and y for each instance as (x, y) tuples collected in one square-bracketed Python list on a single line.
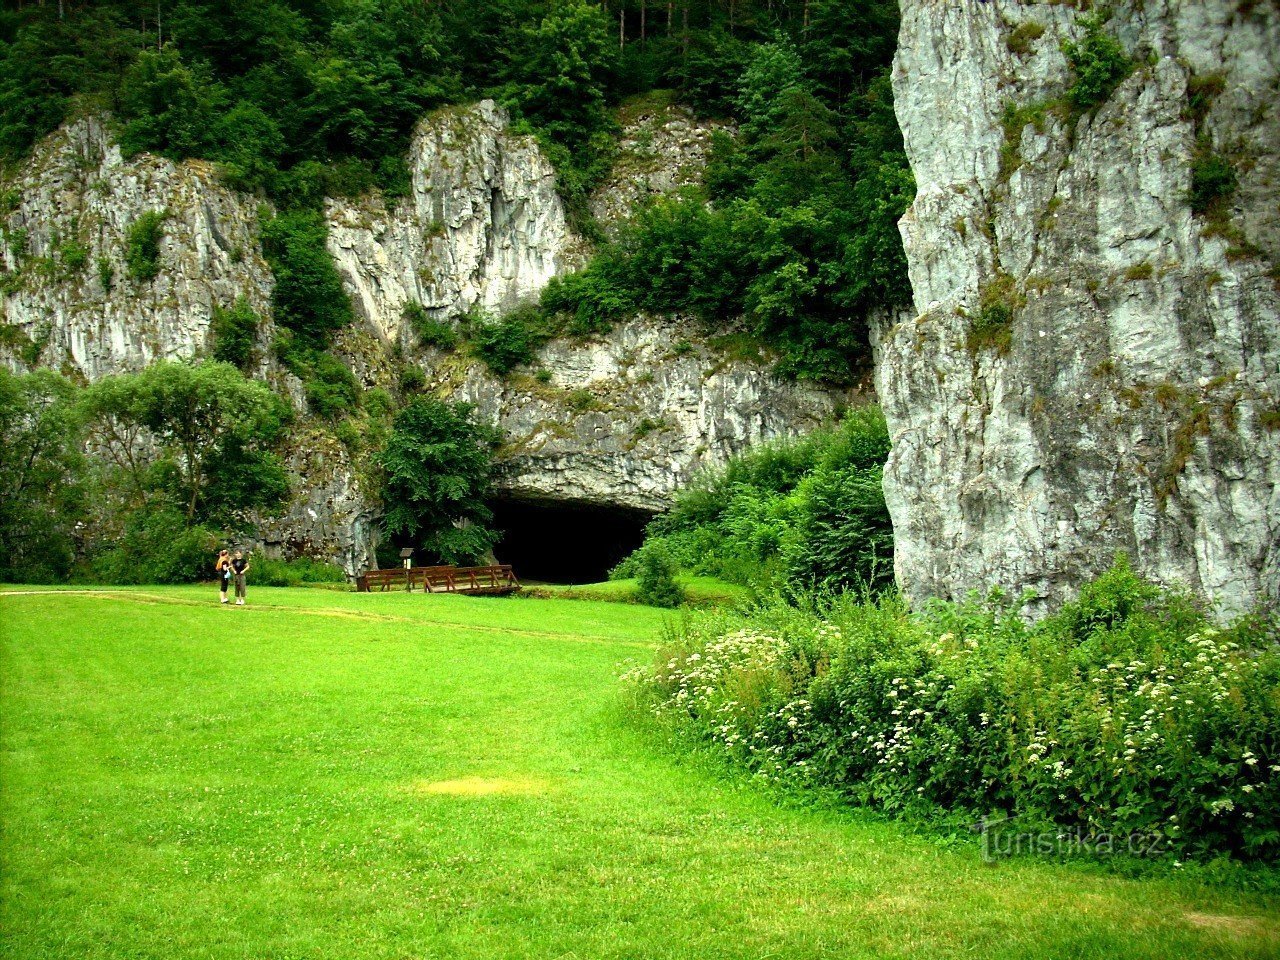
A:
[(480, 786), (1235, 926)]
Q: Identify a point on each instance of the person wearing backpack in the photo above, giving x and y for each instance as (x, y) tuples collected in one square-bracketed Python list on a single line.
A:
[(223, 569)]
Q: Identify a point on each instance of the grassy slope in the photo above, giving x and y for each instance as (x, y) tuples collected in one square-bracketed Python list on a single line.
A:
[(183, 779)]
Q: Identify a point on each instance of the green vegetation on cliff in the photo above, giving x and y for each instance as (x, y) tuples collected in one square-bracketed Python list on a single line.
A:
[(792, 517), (298, 101)]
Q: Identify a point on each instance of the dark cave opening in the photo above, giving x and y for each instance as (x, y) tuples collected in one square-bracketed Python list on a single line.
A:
[(565, 542)]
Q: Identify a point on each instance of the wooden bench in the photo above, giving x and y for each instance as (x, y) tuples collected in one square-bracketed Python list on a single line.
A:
[(495, 579)]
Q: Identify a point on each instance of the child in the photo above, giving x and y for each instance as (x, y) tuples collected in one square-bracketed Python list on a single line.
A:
[(223, 569), (239, 566)]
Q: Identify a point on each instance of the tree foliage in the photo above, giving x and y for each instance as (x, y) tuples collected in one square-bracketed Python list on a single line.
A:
[(178, 452), (308, 297), (800, 239), (437, 472), (301, 100), (234, 331), (198, 435), (41, 470), (656, 578), (1099, 64), (142, 246), (799, 515)]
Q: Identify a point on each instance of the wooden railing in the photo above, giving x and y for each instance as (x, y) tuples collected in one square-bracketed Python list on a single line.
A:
[(499, 578)]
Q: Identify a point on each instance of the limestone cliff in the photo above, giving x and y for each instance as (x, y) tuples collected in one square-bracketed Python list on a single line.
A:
[(627, 418), (482, 228), (621, 419), (1093, 366), (663, 148), (66, 284)]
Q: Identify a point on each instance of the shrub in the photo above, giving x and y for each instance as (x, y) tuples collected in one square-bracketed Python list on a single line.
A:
[(1099, 64), (510, 342), (1202, 90), (142, 246), (591, 300), (656, 578), (268, 572), (1024, 37), (234, 331), (993, 326), (1213, 180), (73, 256), (331, 388), (158, 547), (582, 400), (308, 295), (412, 379), (842, 536), (429, 331), (809, 510), (18, 240), (1127, 713), (106, 274)]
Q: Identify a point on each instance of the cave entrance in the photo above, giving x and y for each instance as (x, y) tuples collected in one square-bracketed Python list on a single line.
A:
[(556, 542)]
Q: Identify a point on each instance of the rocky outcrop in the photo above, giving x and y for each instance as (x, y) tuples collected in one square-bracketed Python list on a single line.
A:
[(627, 418), (67, 288), (482, 228), (663, 148), (329, 516), (1093, 367)]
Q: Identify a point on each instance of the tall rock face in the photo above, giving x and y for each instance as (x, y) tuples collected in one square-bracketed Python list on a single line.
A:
[(482, 227), (66, 284), (622, 419), (1094, 367), (629, 417)]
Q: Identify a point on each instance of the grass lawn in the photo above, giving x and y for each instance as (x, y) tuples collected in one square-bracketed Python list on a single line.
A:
[(338, 775), (700, 591)]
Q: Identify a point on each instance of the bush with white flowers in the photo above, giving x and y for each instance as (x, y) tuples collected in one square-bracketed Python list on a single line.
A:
[(1127, 713)]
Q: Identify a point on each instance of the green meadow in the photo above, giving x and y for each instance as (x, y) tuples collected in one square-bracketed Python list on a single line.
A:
[(325, 774)]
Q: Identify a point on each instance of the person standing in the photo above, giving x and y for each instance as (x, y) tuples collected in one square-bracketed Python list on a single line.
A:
[(239, 567), (223, 569)]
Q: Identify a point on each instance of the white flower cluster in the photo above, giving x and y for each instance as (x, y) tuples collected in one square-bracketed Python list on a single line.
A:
[(693, 682)]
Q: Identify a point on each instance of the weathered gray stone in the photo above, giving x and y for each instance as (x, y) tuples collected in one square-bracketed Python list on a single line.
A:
[(77, 188), (627, 418), (663, 148), (329, 517), (483, 227), (1135, 407)]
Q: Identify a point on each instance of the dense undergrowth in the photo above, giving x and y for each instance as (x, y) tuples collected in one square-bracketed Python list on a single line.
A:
[(1127, 715), (795, 515)]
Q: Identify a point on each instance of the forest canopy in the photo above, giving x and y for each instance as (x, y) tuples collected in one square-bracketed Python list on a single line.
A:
[(301, 99)]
